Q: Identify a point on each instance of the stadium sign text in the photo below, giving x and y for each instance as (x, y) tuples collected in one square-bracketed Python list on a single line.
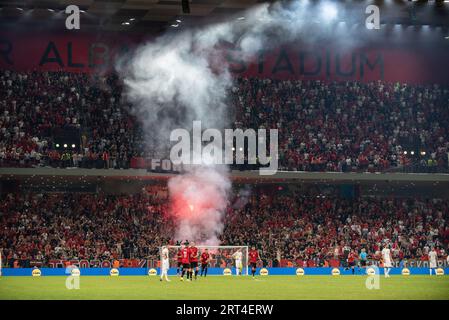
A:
[(309, 63), (85, 52)]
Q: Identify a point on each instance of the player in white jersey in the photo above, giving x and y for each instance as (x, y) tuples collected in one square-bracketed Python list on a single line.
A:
[(387, 259), (432, 260), (238, 261), (165, 264)]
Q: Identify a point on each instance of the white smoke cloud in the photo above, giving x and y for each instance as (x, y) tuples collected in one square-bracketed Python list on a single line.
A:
[(176, 79), (180, 77)]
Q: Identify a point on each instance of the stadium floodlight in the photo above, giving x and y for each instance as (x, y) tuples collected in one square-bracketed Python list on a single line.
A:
[(412, 152), (73, 146), (423, 153), (221, 256), (65, 145), (405, 152), (329, 11), (57, 145)]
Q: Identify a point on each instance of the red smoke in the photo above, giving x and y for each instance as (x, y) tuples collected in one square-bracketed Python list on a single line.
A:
[(198, 200)]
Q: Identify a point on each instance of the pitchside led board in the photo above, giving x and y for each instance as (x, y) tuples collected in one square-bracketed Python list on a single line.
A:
[(75, 272), (300, 272), (405, 272), (114, 272), (152, 272), (227, 272), (263, 272), (370, 271), (36, 273)]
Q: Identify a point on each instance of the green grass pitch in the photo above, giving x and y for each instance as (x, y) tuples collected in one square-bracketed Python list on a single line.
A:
[(222, 287)]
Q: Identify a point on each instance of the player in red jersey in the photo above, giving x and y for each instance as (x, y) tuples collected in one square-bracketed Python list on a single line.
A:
[(351, 260), (204, 262), (179, 257), (185, 259), (253, 258), (193, 260)]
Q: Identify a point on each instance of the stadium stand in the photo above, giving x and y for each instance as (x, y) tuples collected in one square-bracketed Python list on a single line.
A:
[(290, 229), (338, 127)]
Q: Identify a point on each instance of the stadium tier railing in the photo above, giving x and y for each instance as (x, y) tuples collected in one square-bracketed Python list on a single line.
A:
[(139, 174)]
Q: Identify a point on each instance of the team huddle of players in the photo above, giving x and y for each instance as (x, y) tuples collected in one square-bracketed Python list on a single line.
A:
[(188, 257)]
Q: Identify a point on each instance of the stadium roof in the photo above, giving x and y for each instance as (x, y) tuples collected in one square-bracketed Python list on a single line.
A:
[(112, 14), (155, 15)]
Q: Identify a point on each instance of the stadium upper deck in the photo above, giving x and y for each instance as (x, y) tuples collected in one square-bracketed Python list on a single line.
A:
[(68, 120)]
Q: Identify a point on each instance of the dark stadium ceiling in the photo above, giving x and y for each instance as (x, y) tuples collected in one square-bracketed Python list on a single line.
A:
[(155, 15)]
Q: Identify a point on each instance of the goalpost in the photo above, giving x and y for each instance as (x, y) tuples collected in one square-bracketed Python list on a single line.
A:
[(220, 256)]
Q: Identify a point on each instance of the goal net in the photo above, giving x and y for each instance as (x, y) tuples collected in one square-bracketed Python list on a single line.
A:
[(220, 256)]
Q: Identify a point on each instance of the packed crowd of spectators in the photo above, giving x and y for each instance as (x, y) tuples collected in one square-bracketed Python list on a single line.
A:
[(344, 126), (37, 107), (348, 126), (288, 229), (312, 231), (80, 226)]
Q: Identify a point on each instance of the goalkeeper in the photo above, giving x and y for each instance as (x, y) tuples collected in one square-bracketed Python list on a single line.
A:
[(237, 256), (165, 264)]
